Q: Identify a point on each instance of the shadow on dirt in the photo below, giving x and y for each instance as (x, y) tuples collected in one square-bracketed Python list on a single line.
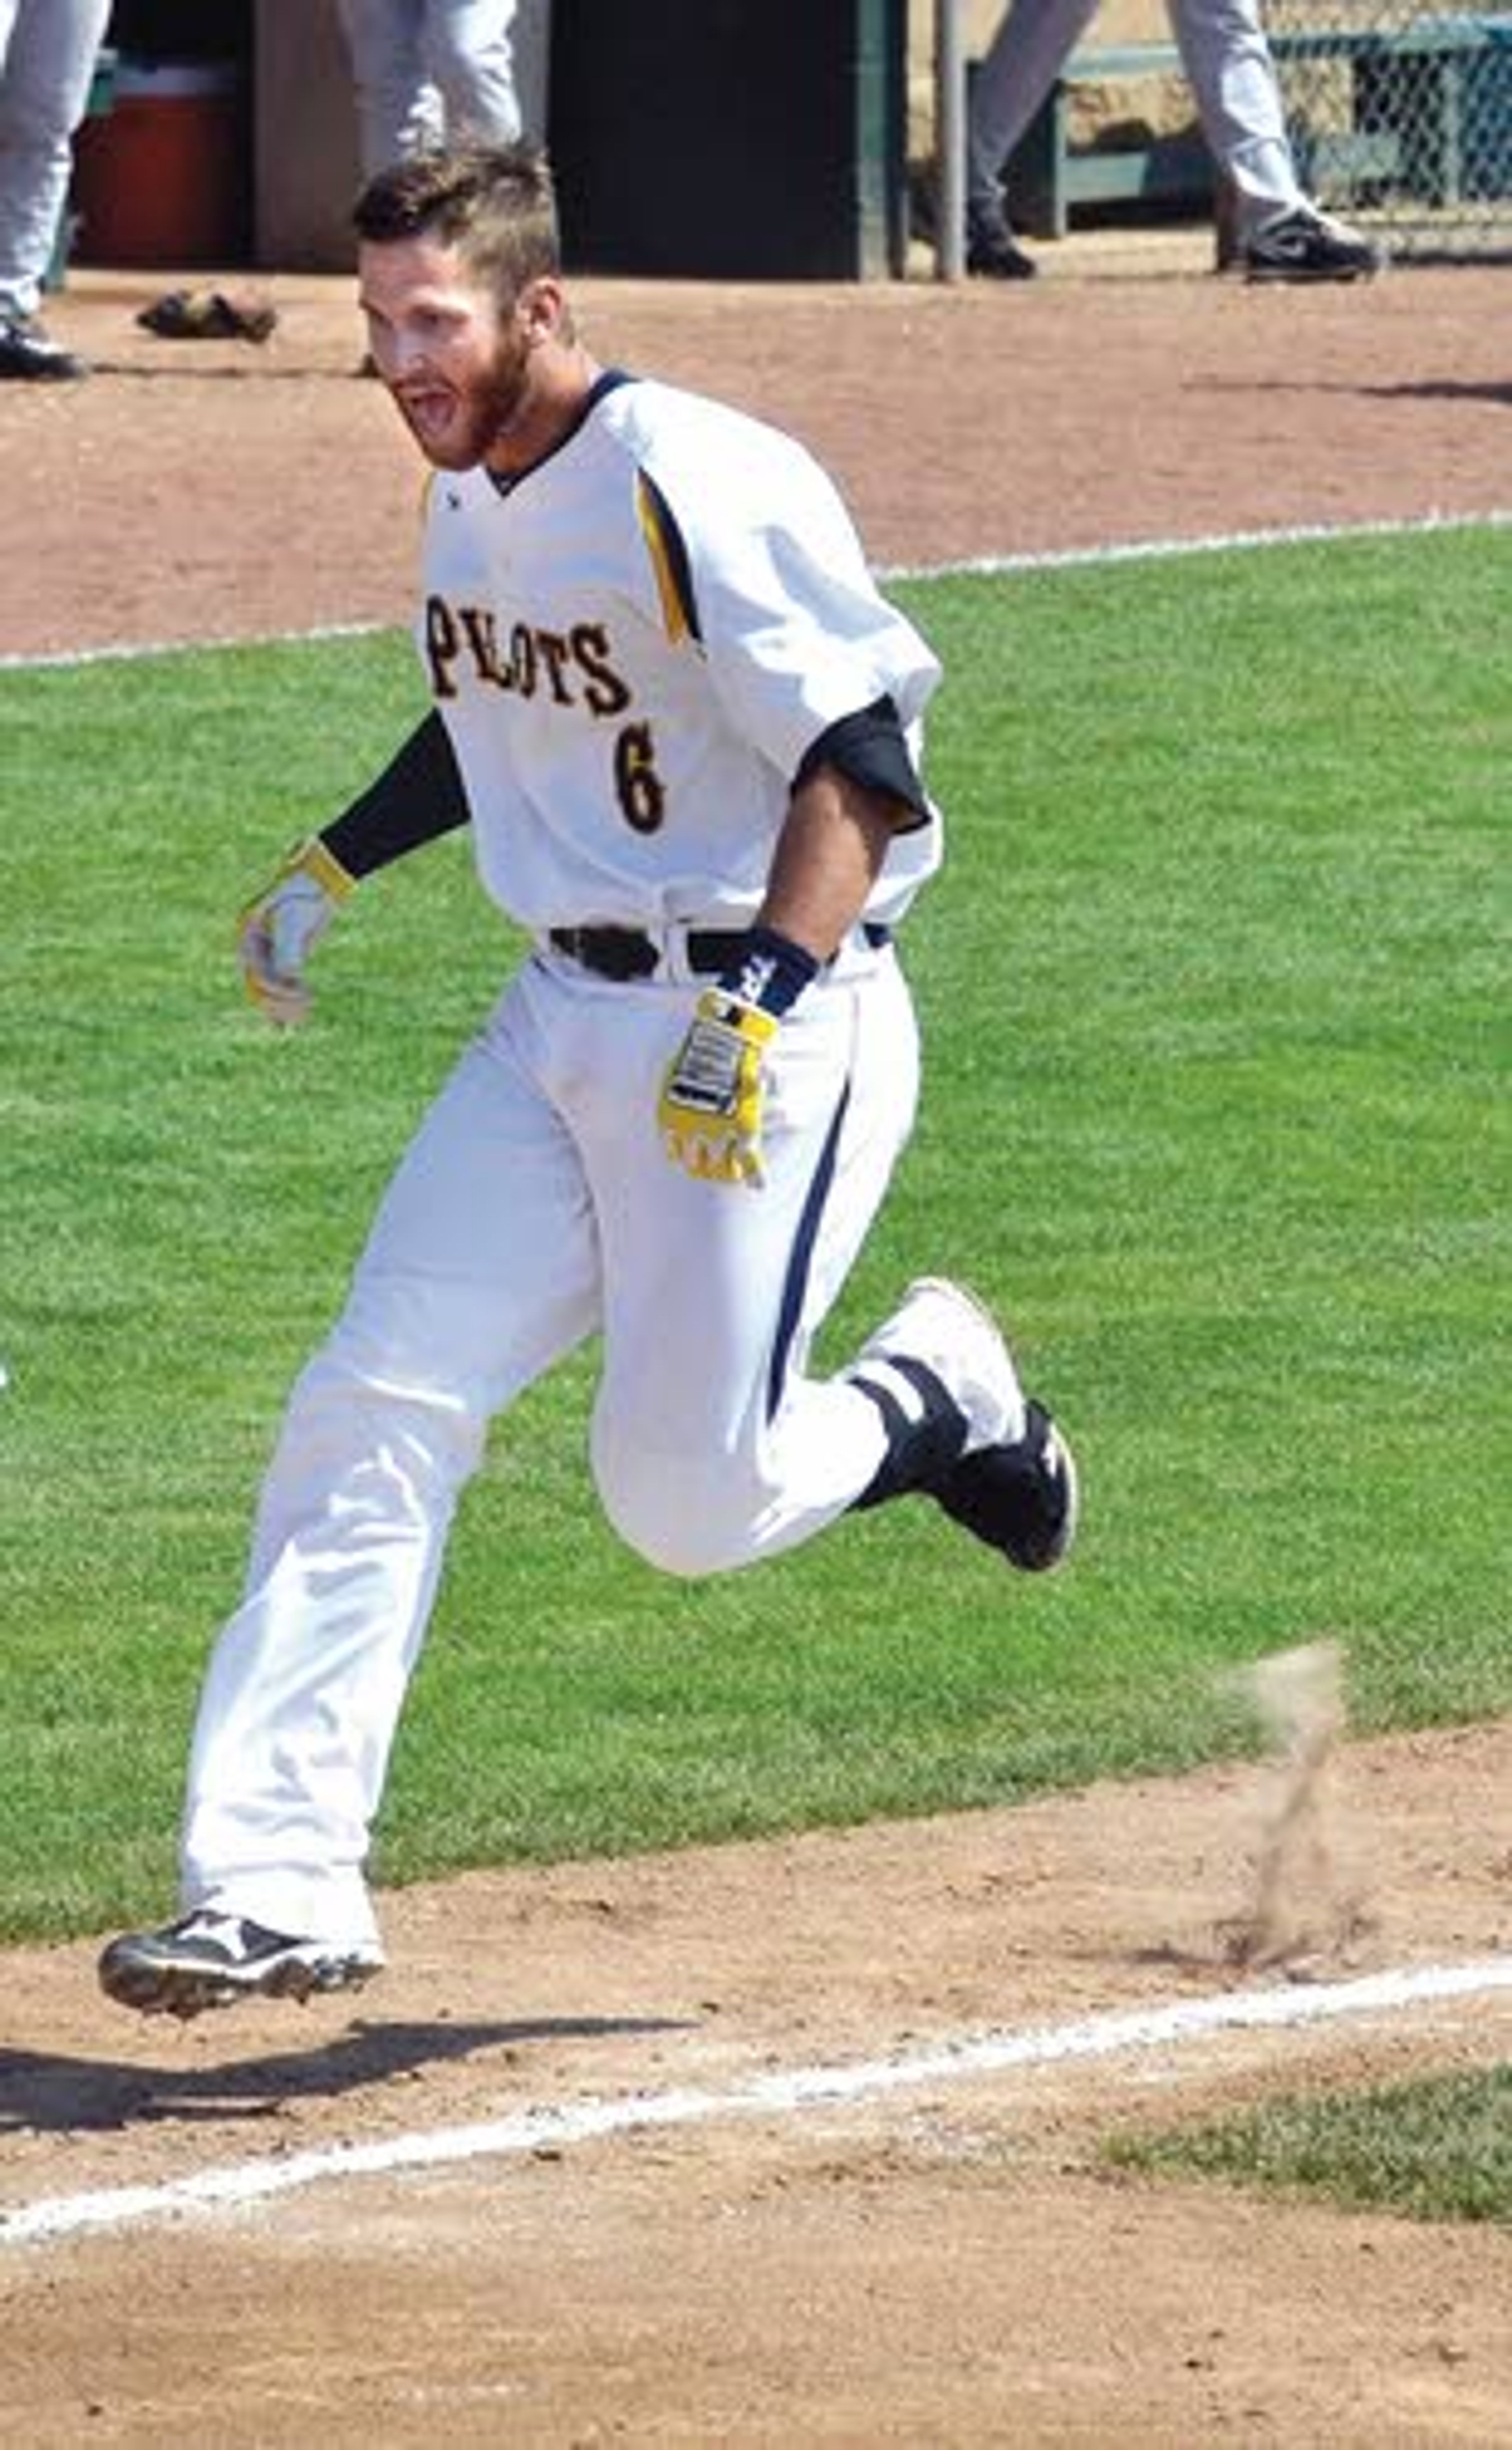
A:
[(1498, 394), (132, 370), (55, 2095)]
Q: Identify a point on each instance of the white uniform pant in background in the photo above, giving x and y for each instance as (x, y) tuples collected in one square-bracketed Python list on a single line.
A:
[(48, 51), (432, 70), (1229, 64), (536, 1206)]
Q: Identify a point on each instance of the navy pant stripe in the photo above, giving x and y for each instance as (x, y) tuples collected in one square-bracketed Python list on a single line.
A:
[(803, 1254)]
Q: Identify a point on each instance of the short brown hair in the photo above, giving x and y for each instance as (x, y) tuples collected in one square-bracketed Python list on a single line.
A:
[(495, 203)]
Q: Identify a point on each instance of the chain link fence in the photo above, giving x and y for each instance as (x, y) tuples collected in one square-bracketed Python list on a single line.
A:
[(1402, 120)]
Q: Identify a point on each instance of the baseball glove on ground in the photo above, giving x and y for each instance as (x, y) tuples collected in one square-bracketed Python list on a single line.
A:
[(209, 315)]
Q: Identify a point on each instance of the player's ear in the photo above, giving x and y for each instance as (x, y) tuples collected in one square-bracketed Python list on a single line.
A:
[(542, 309)]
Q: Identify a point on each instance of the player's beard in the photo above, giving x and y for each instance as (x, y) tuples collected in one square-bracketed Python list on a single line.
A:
[(457, 421)]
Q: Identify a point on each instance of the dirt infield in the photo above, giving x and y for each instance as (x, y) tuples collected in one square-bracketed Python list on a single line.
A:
[(945, 2261), (212, 489)]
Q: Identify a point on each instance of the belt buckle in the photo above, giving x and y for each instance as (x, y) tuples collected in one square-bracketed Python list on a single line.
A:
[(620, 954)]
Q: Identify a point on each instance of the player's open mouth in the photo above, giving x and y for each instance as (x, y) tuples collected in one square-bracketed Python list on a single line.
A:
[(429, 410)]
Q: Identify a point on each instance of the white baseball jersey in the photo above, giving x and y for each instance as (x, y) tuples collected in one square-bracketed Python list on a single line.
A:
[(632, 649)]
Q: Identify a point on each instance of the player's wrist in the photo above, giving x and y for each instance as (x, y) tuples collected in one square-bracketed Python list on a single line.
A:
[(771, 973), (316, 859)]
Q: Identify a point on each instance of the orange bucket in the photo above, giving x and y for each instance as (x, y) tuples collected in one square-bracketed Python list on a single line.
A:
[(161, 179)]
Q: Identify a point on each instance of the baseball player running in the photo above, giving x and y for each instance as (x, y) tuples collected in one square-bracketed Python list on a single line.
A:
[(684, 727)]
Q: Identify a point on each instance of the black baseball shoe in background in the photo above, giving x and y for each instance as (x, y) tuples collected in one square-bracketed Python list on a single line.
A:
[(1306, 244), (992, 249), (27, 355)]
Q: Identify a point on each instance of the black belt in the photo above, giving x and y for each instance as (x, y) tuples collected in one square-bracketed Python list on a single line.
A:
[(626, 953)]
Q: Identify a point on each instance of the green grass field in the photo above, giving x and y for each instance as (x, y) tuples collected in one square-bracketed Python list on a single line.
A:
[(1213, 1114), (1438, 2148)]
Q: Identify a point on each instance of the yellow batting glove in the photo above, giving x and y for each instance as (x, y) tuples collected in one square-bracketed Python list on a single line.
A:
[(277, 933), (710, 1114)]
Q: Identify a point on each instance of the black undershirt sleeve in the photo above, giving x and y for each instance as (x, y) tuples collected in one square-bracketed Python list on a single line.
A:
[(870, 748), (418, 797)]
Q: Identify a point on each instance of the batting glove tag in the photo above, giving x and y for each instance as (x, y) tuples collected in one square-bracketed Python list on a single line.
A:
[(710, 1113)]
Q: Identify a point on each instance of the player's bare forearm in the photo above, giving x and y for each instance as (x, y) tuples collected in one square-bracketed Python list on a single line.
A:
[(829, 852)]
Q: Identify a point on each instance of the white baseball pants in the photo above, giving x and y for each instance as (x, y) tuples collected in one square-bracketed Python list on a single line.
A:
[(428, 70), (1228, 63), (48, 51), (534, 1207)]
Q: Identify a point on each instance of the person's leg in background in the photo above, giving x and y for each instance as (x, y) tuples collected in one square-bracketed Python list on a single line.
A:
[(1278, 233), (48, 52), (1034, 40), (399, 106), (470, 58)]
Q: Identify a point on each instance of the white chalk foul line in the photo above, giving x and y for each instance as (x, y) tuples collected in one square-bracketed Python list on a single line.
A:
[(983, 566), (784, 2091), (1182, 548)]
